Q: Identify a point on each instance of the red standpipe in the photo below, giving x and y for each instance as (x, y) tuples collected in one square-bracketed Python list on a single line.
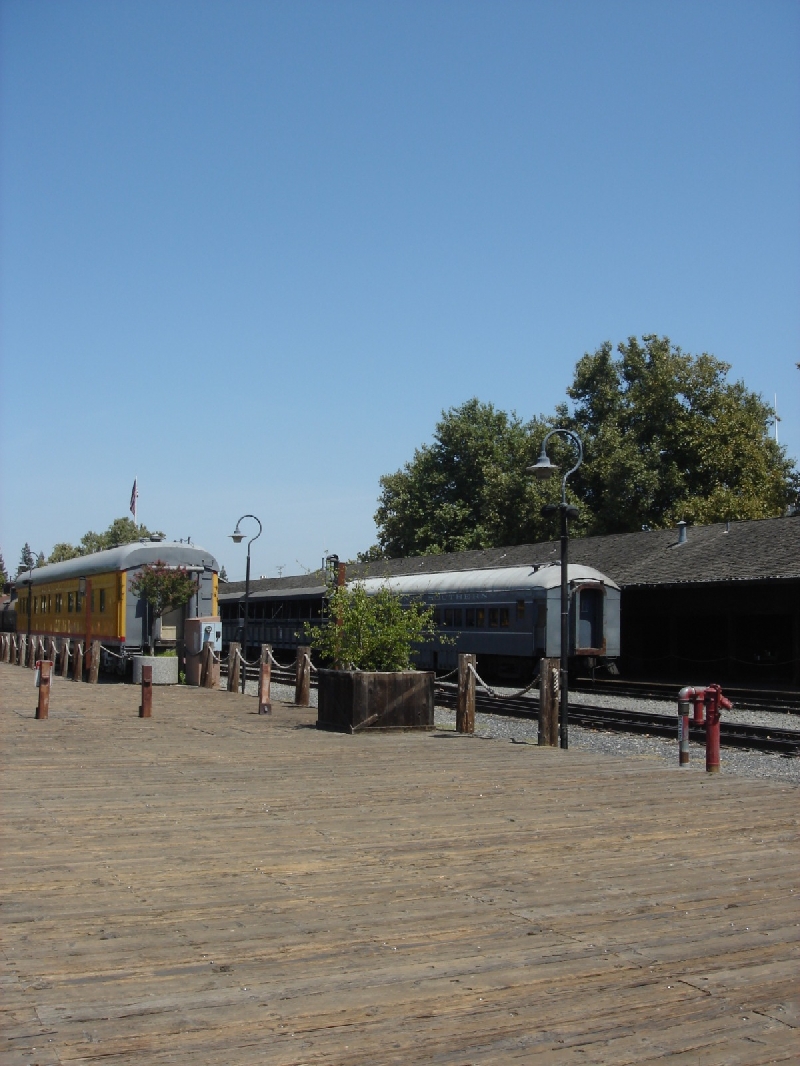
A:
[(685, 698), (714, 701)]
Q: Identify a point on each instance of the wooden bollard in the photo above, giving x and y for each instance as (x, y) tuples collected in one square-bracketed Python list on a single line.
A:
[(64, 657), (264, 680), (302, 676), (33, 652), (77, 661), (6, 647), (146, 706), (16, 649), (549, 688), (234, 664), (43, 706), (465, 709), (22, 649), (209, 669), (94, 665)]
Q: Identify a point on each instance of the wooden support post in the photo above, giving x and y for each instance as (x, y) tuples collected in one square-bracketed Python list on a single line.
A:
[(16, 644), (302, 676), (33, 652), (234, 664), (465, 711), (77, 661), (549, 692), (43, 706), (94, 666), (146, 706), (6, 647), (264, 680), (209, 667), (64, 657), (53, 656)]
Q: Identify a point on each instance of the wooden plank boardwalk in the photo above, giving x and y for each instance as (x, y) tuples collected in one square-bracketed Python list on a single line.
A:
[(214, 887)]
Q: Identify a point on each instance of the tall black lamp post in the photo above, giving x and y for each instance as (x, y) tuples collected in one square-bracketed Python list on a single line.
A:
[(237, 537), (543, 468)]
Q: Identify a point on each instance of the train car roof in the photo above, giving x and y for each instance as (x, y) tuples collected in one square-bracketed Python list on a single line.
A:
[(500, 579), (125, 557)]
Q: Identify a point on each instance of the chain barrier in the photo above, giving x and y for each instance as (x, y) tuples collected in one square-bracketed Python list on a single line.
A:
[(496, 695), (444, 677), (108, 651), (311, 666), (280, 666)]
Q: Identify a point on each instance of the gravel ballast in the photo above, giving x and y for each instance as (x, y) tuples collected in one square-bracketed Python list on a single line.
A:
[(665, 750)]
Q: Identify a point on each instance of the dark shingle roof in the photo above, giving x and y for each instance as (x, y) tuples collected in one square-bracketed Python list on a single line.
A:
[(742, 551)]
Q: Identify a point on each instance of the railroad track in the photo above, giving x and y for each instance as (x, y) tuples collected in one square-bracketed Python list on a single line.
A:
[(732, 734), (745, 699)]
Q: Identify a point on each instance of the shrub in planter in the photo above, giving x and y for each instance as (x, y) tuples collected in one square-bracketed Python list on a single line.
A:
[(369, 641)]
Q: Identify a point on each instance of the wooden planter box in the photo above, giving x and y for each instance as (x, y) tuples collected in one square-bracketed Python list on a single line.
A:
[(351, 700)]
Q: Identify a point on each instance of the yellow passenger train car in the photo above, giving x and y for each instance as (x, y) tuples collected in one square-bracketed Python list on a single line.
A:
[(91, 598)]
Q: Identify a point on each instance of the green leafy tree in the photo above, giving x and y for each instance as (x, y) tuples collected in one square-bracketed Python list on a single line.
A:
[(467, 489), (667, 437), (223, 574), (63, 551), (164, 588), (40, 560), (370, 632), (3, 571), (121, 531), (26, 558)]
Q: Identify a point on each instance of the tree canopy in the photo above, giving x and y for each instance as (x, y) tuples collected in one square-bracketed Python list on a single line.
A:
[(666, 437), (121, 531), (468, 489)]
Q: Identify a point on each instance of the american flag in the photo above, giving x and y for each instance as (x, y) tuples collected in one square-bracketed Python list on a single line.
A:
[(134, 498)]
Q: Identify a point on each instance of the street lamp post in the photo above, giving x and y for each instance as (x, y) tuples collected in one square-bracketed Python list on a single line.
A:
[(543, 468), (237, 537)]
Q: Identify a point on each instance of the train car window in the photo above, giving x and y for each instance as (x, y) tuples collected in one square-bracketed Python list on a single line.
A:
[(590, 627), (480, 617), (78, 602), (520, 610), (437, 616), (448, 616), (504, 617), (59, 602), (494, 617), (35, 604), (70, 602), (49, 604), (469, 617), (102, 598), (251, 610), (91, 602), (457, 617)]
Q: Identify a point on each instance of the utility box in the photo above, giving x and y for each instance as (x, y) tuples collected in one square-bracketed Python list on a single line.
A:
[(196, 631)]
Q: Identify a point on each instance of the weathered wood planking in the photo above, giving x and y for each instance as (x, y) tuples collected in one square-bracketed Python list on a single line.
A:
[(215, 886)]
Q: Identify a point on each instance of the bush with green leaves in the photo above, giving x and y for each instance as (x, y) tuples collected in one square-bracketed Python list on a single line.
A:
[(370, 632), (164, 587)]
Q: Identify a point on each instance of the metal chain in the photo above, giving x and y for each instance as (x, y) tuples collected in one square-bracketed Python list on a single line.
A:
[(496, 695)]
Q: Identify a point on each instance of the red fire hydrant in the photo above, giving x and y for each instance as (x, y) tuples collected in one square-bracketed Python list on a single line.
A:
[(714, 702), (685, 698)]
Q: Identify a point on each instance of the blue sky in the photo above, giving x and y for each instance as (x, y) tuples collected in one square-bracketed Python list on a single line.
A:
[(250, 251)]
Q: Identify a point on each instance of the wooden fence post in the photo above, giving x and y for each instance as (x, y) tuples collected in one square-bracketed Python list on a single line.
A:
[(302, 676), (465, 710), (43, 706), (264, 680), (234, 664), (53, 656), (17, 644), (146, 706), (33, 649), (549, 688), (77, 661), (64, 657), (209, 669), (94, 666), (5, 647)]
